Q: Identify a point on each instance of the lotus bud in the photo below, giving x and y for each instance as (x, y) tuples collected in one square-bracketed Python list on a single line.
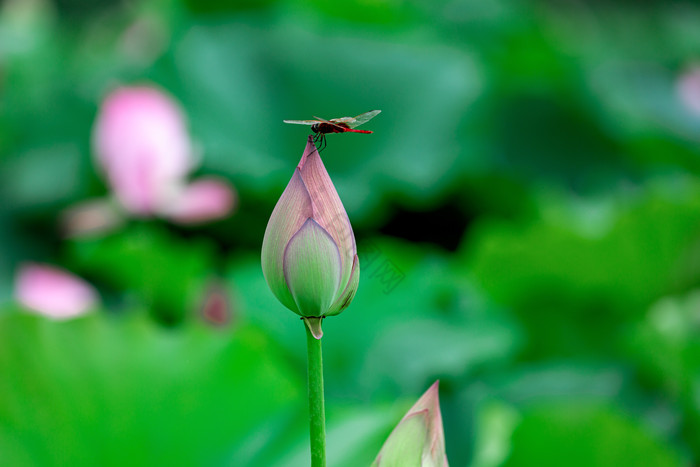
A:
[(309, 256), (418, 440), (53, 292)]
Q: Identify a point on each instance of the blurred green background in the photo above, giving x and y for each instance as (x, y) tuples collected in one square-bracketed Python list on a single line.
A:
[(530, 187)]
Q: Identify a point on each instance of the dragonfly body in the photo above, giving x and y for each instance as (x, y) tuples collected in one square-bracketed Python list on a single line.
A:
[(322, 127), (325, 128)]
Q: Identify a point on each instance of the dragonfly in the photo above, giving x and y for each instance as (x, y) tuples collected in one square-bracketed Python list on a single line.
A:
[(321, 127)]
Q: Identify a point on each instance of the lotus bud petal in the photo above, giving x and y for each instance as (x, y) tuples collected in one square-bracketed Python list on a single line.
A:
[(53, 292), (309, 255), (418, 440), (312, 278), (142, 143)]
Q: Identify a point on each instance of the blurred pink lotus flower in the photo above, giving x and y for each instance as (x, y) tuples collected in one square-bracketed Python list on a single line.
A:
[(142, 144), (53, 292), (688, 88), (418, 440)]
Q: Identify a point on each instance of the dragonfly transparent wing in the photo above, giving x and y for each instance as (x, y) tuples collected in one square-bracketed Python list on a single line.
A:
[(302, 122), (333, 122), (352, 122)]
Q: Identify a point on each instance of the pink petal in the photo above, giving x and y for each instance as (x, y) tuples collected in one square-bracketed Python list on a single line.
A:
[(53, 292), (201, 201), (290, 213), (141, 142), (688, 88), (328, 210)]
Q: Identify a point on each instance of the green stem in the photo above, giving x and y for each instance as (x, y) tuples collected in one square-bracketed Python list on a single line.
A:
[(317, 412)]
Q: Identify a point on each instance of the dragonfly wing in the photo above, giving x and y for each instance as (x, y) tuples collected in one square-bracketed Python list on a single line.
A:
[(349, 121), (362, 118), (323, 119), (302, 122), (333, 122)]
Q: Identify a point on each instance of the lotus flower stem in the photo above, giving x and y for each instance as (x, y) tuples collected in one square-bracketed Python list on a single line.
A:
[(317, 411)]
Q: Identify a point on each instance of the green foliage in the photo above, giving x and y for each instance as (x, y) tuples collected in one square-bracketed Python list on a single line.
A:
[(117, 391), (168, 275), (584, 435)]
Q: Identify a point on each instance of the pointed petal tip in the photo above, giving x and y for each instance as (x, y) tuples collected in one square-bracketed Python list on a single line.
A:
[(309, 151), (431, 397)]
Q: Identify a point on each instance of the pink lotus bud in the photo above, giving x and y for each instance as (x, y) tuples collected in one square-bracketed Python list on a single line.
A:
[(202, 200), (688, 88), (53, 292), (418, 439), (309, 256), (142, 143)]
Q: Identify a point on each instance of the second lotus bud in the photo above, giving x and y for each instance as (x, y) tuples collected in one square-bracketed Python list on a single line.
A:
[(418, 440)]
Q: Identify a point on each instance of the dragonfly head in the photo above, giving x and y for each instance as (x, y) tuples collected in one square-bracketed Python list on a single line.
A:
[(314, 127)]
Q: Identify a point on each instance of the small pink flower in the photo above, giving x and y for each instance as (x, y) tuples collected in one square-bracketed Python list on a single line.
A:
[(688, 87), (53, 292)]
